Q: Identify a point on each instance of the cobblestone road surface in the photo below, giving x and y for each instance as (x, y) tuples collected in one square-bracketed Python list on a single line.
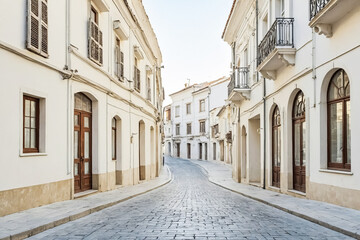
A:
[(190, 207)]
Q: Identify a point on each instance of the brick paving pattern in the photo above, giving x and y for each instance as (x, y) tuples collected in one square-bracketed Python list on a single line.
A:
[(190, 207)]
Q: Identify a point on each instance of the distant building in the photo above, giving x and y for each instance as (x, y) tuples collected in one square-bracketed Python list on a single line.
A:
[(187, 130)]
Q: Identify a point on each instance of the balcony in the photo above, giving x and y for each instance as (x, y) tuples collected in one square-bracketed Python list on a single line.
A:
[(324, 13), (277, 50), (238, 88)]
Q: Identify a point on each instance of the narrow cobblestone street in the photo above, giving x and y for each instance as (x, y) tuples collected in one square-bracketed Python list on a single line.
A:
[(190, 207)]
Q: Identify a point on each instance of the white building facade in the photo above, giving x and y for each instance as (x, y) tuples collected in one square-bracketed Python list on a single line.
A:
[(189, 136), (83, 84), (294, 84)]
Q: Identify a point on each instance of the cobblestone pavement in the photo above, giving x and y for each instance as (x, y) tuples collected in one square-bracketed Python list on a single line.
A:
[(190, 207)]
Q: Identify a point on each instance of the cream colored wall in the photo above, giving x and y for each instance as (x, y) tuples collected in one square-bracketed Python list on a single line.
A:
[(333, 53), (43, 78)]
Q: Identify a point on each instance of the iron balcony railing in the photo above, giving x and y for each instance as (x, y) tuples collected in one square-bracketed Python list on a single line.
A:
[(316, 6), (281, 34), (239, 79)]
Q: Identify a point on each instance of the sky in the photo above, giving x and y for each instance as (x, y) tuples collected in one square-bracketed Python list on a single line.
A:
[(189, 34)]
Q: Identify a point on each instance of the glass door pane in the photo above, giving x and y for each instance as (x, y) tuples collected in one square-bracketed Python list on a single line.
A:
[(348, 131), (336, 132), (303, 144), (297, 144)]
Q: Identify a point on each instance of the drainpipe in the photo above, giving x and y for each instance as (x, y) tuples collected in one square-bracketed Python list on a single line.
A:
[(314, 64), (208, 147), (264, 94)]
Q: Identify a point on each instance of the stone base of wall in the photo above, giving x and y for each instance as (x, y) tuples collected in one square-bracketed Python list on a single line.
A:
[(20, 199), (336, 195)]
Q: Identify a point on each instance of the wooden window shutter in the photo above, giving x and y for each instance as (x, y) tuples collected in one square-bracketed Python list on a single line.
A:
[(95, 43), (121, 64), (138, 78), (116, 58), (37, 33)]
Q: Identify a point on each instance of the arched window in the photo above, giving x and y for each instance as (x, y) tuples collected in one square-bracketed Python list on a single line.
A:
[(276, 147), (113, 139), (299, 143), (339, 143)]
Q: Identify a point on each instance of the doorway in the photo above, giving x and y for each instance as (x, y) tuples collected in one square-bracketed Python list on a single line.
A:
[(276, 147), (82, 143), (189, 150), (200, 151), (255, 150), (299, 144), (178, 149), (222, 150), (214, 151), (243, 153), (142, 173), (205, 151)]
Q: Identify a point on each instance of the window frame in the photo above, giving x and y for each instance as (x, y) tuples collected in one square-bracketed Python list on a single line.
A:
[(137, 75), (200, 124), (344, 165), (118, 60), (188, 126), (177, 113), (177, 129), (98, 42), (188, 108), (41, 24), (200, 102), (37, 125)]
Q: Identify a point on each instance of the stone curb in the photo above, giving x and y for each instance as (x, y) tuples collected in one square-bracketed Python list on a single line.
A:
[(47, 226), (298, 214)]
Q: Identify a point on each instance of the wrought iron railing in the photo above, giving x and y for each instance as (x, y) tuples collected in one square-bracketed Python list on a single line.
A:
[(316, 6), (281, 34), (239, 79)]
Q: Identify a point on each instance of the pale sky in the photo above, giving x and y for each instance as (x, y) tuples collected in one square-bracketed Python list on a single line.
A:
[(189, 34)]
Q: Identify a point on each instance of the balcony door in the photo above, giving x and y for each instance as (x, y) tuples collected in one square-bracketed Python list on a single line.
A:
[(82, 143)]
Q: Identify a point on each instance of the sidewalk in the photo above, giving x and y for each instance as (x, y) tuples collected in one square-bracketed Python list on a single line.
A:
[(30, 222), (340, 219)]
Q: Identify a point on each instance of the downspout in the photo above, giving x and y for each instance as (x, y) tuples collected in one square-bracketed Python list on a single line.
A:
[(314, 64), (264, 94), (68, 97), (67, 67), (107, 141), (208, 144)]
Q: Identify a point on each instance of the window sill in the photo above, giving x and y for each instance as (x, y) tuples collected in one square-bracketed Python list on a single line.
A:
[(32, 154), (336, 172)]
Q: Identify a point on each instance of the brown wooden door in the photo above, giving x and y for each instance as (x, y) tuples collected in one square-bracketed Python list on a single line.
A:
[(276, 156), (178, 149), (82, 151), (189, 151), (299, 155)]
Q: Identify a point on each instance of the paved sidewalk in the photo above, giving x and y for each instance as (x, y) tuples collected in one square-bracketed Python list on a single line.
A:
[(341, 219), (27, 223)]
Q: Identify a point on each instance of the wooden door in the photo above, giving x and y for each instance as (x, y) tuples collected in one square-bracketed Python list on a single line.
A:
[(189, 151), (276, 157), (299, 155), (82, 151), (178, 149), (200, 151), (276, 147)]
